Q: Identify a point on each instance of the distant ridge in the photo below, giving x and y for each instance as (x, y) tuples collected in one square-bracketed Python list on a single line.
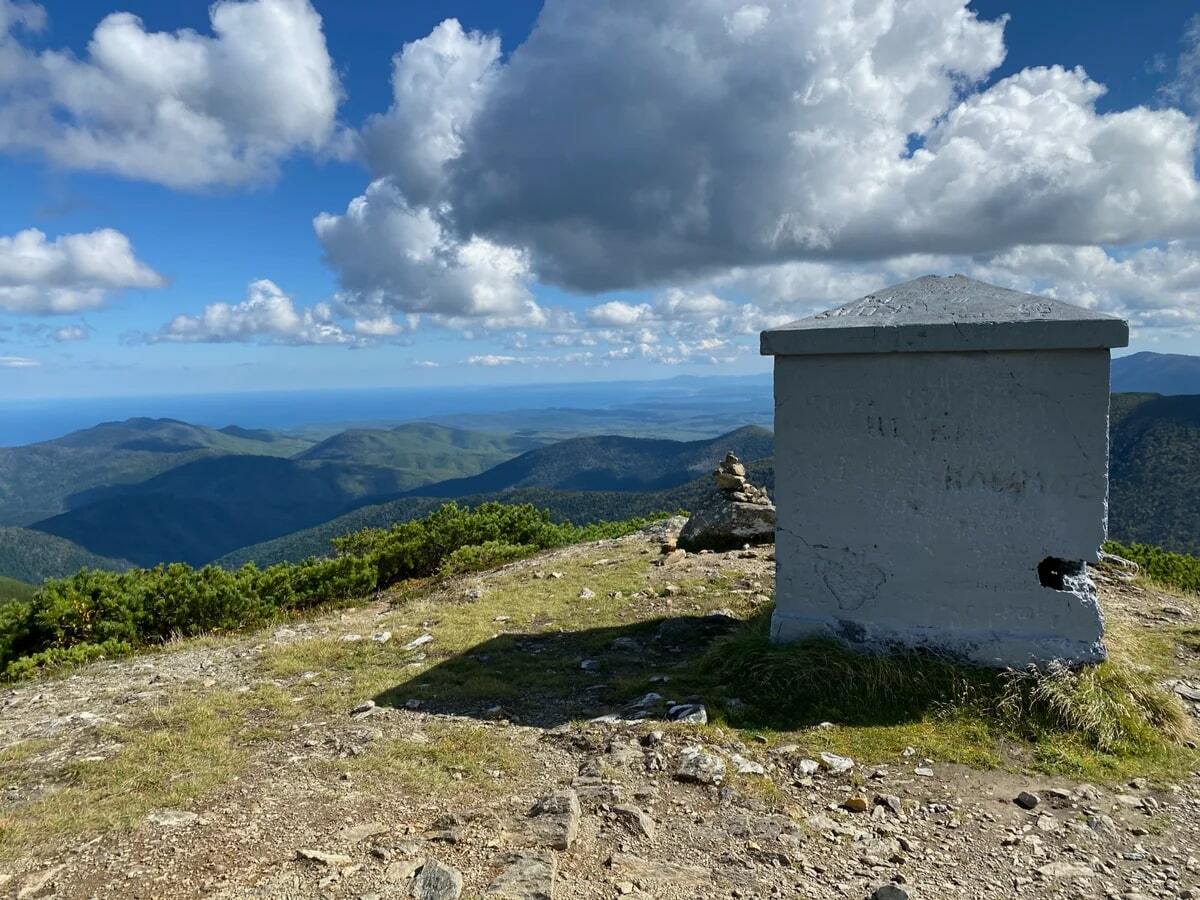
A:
[(1156, 373), (608, 463)]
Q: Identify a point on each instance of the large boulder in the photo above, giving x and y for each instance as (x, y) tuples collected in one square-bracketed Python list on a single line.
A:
[(734, 514)]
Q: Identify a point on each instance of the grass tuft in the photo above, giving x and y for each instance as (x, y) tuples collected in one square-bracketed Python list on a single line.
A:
[(1115, 708)]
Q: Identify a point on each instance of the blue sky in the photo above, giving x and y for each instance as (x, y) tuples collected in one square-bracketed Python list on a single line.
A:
[(570, 242)]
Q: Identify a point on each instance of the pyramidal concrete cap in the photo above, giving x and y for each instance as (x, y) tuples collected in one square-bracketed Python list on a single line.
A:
[(947, 314)]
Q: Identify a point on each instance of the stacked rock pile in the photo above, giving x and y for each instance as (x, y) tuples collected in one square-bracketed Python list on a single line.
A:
[(730, 477), (735, 514)]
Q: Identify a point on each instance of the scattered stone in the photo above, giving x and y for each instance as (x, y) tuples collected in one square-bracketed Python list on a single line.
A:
[(675, 556), (807, 767), (172, 818), (350, 638), (891, 803), (332, 860), (1064, 869), (923, 771), (528, 875), (402, 871), (699, 766), (589, 665), (358, 833), (1027, 800), (363, 709), (421, 641), (856, 803), (744, 766), (40, 884), (554, 820), (381, 637), (626, 643), (1186, 691), (691, 713), (587, 594), (437, 881), (831, 762), (890, 892), (637, 819)]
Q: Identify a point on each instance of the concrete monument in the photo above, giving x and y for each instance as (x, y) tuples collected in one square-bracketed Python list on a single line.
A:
[(941, 472)]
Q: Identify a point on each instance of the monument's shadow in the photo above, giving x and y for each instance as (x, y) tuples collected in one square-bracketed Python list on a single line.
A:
[(546, 679)]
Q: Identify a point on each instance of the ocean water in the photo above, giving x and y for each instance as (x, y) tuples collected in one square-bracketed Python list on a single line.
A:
[(28, 421)]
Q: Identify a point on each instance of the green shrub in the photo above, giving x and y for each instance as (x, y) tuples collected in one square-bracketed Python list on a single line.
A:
[(488, 555), (100, 613), (1175, 570), (62, 657)]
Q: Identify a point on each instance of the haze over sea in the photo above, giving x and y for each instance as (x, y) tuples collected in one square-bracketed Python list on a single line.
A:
[(27, 421)]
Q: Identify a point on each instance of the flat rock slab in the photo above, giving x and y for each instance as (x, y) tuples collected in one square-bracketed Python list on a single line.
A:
[(554, 820), (529, 875), (724, 524), (637, 869)]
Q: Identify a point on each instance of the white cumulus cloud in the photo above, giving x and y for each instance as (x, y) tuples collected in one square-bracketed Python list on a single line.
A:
[(267, 315), (641, 145), (179, 108), (69, 333), (18, 362), (392, 247), (73, 272)]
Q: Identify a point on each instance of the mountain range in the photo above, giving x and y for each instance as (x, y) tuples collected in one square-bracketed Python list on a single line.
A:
[(145, 491), (193, 503)]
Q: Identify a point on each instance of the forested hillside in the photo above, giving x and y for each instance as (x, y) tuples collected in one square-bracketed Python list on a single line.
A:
[(609, 463), (11, 589), (579, 507), (40, 480), (207, 507), (1154, 492), (32, 556)]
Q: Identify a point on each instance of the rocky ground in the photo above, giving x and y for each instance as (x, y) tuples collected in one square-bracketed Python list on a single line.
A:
[(409, 747)]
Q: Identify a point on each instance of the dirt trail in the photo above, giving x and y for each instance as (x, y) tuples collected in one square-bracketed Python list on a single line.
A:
[(288, 763)]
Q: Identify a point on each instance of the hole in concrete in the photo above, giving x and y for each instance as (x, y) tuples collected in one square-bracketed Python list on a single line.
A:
[(1053, 572)]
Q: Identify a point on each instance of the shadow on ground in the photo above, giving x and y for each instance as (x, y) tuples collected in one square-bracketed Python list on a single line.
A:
[(550, 678)]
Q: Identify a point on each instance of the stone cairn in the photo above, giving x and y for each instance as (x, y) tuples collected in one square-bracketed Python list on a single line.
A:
[(735, 514)]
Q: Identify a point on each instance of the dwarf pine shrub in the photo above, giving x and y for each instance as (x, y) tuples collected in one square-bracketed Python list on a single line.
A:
[(98, 613)]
